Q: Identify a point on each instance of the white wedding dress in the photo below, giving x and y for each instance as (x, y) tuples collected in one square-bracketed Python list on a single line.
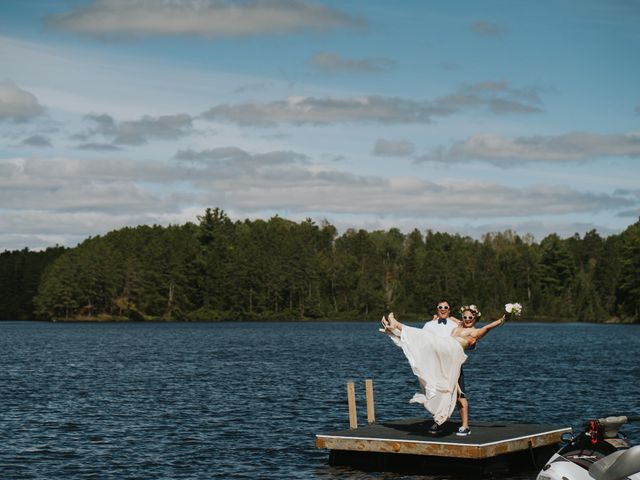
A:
[(436, 361)]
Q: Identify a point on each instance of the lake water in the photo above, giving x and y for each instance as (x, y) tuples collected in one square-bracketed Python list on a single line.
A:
[(244, 400)]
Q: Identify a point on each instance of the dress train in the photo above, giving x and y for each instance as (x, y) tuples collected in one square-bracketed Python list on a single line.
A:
[(436, 361)]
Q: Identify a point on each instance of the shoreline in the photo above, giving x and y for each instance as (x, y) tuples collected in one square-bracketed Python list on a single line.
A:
[(113, 319)]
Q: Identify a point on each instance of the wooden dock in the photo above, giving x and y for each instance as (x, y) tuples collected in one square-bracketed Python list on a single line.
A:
[(406, 445)]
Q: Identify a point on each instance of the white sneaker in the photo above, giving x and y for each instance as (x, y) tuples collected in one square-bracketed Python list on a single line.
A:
[(463, 432)]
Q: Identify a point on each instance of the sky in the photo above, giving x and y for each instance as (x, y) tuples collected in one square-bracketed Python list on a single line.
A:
[(460, 116)]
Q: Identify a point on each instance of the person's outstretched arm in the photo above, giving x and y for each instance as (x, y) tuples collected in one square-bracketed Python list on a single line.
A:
[(484, 330)]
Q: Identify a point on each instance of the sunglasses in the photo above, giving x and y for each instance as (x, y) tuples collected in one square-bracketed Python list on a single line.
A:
[(443, 307), (467, 317)]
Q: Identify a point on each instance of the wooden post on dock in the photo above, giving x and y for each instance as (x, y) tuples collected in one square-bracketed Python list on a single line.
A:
[(371, 411), (351, 398)]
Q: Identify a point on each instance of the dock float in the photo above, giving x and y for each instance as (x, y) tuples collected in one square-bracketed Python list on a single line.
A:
[(406, 445)]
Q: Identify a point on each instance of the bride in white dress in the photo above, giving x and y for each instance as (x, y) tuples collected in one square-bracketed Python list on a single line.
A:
[(436, 361)]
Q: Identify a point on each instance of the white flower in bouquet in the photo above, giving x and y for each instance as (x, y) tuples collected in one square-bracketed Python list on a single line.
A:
[(513, 309)]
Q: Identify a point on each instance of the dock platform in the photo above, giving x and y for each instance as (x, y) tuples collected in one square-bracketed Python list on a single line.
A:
[(407, 445)]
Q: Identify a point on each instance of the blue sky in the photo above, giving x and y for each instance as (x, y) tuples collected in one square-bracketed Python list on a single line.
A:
[(466, 117)]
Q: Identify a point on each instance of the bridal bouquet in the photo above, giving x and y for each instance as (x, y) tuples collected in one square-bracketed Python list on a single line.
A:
[(513, 309)]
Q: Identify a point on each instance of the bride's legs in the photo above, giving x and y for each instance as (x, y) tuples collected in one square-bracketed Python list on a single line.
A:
[(393, 323)]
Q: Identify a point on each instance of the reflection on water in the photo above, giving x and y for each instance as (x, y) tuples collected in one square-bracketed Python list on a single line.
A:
[(244, 400)]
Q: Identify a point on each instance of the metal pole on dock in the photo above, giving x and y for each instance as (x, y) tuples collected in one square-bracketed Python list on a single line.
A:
[(371, 411), (351, 398)]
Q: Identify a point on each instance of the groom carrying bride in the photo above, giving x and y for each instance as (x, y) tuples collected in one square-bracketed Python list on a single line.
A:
[(442, 325), (436, 354)]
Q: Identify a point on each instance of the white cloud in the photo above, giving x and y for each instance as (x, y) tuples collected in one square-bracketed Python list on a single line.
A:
[(569, 147), (37, 140), (286, 180), (324, 111), (203, 18), (338, 192), (393, 148), (42, 228), (276, 180), (537, 228), (138, 132), (99, 147), (496, 97), (236, 156), (254, 183), (634, 213), (17, 104), (333, 63)]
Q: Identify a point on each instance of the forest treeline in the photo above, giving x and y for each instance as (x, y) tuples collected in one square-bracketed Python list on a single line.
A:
[(278, 269)]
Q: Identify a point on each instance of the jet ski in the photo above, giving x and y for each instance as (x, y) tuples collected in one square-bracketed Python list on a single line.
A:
[(599, 452)]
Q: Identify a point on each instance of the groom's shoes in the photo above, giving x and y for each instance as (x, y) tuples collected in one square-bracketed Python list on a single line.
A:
[(435, 429)]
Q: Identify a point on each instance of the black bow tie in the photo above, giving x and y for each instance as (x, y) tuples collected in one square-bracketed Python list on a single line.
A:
[(442, 320)]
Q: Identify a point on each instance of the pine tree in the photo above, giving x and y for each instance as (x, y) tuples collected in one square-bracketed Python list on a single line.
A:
[(628, 291)]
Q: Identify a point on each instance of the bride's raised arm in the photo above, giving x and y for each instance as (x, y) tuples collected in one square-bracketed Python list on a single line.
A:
[(489, 326)]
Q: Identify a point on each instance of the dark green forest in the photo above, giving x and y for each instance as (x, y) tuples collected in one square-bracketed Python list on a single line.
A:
[(278, 269)]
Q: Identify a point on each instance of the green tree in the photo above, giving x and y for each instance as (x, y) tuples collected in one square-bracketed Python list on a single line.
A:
[(628, 292), (556, 275)]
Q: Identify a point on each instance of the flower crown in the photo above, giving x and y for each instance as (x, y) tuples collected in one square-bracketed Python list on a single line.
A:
[(473, 310)]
